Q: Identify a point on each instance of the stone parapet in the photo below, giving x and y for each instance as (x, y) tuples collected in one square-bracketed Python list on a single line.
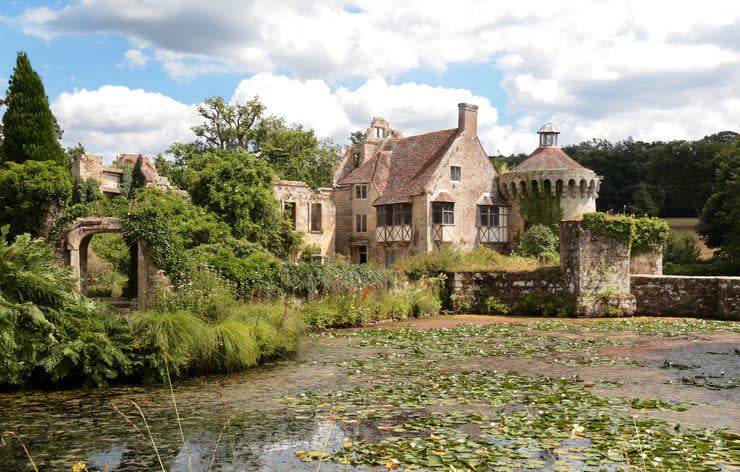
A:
[(595, 270)]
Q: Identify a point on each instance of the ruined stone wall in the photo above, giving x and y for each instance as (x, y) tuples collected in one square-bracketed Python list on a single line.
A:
[(300, 194), (341, 198), (667, 295), (647, 263), (595, 271), (508, 287)]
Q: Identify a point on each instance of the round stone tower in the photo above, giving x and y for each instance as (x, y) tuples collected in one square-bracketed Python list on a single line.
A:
[(549, 169)]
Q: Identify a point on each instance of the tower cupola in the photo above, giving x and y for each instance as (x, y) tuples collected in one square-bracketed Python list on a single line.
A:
[(548, 135)]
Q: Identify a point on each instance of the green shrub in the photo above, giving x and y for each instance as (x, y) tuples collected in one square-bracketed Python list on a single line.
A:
[(450, 259), (650, 235), (463, 302), (48, 334), (87, 191), (681, 249), (426, 304), (493, 306), (551, 304), (639, 234), (537, 241), (712, 267)]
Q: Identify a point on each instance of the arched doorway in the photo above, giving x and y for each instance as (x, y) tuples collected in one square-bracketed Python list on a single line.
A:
[(74, 245)]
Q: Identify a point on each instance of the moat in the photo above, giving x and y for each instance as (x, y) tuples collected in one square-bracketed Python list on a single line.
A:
[(485, 393)]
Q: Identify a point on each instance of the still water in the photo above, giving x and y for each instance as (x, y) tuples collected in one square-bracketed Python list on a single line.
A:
[(61, 428)]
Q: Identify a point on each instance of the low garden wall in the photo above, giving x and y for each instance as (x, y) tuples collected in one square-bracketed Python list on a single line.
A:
[(469, 290), (666, 295)]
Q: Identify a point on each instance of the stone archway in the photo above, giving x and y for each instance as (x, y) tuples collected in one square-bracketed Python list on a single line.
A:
[(73, 247)]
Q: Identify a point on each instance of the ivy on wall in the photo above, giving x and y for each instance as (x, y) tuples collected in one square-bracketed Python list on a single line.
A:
[(148, 225), (641, 235), (541, 207)]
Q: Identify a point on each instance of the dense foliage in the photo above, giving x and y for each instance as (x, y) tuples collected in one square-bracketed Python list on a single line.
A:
[(30, 131), (31, 193), (541, 208), (48, 334), (292, 152), (681, 249), (538, 241), (87, 191), (238, 187), (639, 234), (720, 221), (34, 178)]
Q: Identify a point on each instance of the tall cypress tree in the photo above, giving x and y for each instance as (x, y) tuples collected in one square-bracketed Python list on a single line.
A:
[(29, 127)]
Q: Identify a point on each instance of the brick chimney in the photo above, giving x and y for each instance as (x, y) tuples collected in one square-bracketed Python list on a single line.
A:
[(467, 118)]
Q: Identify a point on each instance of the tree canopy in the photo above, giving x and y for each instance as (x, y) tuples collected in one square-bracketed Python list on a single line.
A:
[(295, 153), (720, 221)]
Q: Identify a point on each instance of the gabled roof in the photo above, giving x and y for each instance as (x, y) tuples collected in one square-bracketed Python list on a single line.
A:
[(545, 158), (403, 166), (412, 163)]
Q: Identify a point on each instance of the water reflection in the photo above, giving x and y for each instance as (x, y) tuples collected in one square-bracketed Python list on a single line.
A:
[(64, 427)]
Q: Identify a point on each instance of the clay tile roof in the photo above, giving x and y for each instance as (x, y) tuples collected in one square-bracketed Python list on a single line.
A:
[(444, 197), (412, 162), (363, 174), (545, 158)]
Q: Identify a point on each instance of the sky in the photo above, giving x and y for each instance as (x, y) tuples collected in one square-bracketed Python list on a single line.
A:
[(127, 75)]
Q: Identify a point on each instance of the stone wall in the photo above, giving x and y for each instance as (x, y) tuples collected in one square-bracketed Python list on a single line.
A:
[(666, 295), (595, 270), (302, 197), (647, 263), (508, 287)]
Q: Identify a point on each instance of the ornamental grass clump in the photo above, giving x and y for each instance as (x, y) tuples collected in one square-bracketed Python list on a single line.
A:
[(201, 327)]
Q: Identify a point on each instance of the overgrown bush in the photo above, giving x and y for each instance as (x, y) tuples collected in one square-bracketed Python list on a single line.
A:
[(201, 327), (493, 306), (48, 334), (639, 234), (538, 241), (450, 259), (551, 304), (344, 310), (681, 249)]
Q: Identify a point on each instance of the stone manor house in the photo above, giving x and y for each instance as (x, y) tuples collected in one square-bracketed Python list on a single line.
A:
[(394, 196)]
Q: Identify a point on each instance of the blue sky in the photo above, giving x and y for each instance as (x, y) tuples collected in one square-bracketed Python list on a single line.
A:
[(125, 76)]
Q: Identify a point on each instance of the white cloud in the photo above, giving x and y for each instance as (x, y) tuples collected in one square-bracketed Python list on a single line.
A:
[(409, 107), (135, 58), (115, 119), (611, 67)]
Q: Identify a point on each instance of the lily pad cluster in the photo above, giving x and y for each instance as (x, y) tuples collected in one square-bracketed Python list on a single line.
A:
[(412, 404)]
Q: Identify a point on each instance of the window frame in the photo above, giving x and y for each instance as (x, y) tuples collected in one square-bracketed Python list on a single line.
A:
[(443, 213), (316, 215), (360, 223), (455, 173), (360, 191)]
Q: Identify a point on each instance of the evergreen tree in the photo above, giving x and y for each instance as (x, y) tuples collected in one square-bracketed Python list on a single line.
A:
[(29, 128), (138, 179)]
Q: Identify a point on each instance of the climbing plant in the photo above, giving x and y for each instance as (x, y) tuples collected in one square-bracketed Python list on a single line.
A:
[(640, 234), (541, 208), (148, 225)]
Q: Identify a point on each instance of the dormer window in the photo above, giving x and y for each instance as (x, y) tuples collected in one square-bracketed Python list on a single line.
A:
[(378, 132), (455, 173), (360, 192), (356, 157)]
